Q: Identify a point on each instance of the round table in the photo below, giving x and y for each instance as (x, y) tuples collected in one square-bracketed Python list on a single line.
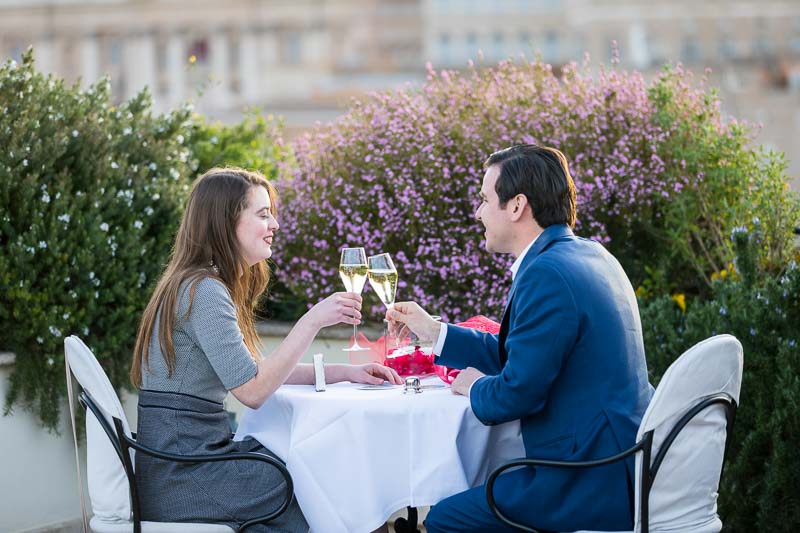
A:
[(357, 455)]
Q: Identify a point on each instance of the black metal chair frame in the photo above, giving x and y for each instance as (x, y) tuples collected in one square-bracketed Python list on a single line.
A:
[(122, 444), (645, 445)]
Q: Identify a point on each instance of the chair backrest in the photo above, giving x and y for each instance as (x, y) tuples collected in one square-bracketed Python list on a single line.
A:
[(683, 496), (108, 484)]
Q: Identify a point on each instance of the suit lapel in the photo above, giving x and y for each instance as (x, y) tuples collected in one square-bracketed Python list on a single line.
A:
[(550, 234), (501, 338)]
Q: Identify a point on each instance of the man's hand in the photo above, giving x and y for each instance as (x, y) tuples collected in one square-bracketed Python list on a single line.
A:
[(465, 379), (408, 316)]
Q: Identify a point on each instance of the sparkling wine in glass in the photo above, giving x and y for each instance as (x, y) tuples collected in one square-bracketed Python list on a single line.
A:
[(353, 271), (383, 278)]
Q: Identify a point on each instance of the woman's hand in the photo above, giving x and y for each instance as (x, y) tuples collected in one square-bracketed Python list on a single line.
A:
[(338, 308), (370, 373)]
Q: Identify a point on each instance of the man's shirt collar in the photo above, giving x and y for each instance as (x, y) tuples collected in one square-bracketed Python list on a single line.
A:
[(519, 259)]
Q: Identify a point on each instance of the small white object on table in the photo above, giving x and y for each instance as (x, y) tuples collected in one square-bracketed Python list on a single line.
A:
[(356, 455)]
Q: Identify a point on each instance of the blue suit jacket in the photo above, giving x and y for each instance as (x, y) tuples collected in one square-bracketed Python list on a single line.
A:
[(569, 364)]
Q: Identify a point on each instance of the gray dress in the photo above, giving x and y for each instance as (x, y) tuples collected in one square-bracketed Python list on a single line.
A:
[(184, 414)]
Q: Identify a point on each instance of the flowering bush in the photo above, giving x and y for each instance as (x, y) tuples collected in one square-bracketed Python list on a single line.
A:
[(760, 491), (90, 198), (729, 183), (401, 171)]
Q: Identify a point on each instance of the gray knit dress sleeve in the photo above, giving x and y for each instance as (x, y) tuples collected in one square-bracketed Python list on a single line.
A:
[(211, 324)]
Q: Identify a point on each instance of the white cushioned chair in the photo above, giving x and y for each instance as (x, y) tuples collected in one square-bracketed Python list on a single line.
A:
[(682, 437), (110, 456)]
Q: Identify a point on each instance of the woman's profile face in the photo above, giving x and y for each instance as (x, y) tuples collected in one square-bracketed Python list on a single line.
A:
[(256, 226)]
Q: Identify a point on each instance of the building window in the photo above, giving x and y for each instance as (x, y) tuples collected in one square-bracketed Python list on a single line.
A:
[(794, 40), (16, 53), (472, 45), (498, 46), (291, 51), (690, 51), (443, 49), (551, 45), (198, 51), (762, 47), (525, 41)]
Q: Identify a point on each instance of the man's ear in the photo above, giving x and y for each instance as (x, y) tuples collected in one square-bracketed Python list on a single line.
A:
[(516, 207)]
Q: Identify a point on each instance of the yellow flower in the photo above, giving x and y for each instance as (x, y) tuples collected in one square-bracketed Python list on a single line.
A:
[(723, 273), (680, 299), (714, 275), (639, 291), (192, 59)]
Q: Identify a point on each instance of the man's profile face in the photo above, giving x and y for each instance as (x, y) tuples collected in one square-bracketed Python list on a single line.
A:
[(494, 219)]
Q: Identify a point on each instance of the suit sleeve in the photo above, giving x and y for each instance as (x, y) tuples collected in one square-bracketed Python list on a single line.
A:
[(542, 333), (465, 347)]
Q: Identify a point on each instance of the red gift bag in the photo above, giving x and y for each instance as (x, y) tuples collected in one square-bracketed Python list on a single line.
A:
[(411, 360)]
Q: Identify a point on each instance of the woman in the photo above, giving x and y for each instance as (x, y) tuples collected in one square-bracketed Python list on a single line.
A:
[(197, 341)]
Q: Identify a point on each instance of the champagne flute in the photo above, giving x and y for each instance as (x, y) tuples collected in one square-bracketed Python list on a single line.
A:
[(353, 271), (383, 278)]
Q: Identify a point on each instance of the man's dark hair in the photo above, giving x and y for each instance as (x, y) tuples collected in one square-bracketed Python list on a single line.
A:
[(542, 175)]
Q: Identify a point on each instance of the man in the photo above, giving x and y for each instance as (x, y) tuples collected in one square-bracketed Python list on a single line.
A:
[(568, 361)]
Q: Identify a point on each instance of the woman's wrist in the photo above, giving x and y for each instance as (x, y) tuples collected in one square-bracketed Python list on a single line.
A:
[(337, 372), (307, 322)]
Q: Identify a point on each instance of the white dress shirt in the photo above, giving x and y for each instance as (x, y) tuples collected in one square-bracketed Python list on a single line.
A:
[(437, 349)]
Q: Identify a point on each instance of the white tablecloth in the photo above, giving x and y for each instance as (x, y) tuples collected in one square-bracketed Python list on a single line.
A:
[(356, 456)]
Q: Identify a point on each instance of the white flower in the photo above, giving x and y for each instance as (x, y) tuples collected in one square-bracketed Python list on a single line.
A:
[(127, 131), (174, 173), (179, 138), (152, 166), (214, 140), (55, 331), (30, 249), (46, 198), (75, 133), (85, 331), (24, 162), (138, 224), (64, 218), (156, 196), (104, 226), (96, 295), (65, 316), (40, 340), (148, 210), (91, 275), (42, 244), (50, 361), (114, 164)]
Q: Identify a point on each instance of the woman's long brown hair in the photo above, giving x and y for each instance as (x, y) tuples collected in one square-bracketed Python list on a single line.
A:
[(206, 239)]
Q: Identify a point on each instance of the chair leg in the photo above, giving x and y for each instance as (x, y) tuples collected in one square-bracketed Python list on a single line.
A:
[(409, 525)]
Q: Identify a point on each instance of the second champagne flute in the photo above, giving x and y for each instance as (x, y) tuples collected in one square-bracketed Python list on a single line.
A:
[(383, 278), (353, 271)]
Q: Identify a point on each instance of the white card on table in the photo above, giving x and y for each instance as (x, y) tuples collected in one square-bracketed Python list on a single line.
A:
[(319, 373)]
